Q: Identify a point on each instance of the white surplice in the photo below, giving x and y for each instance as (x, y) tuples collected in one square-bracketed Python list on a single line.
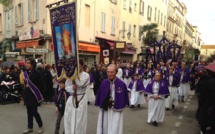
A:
[(110, 121), (90, 93), (184, 88), (119, 74), (75, 119), (156, 108), (136, 98), (172, 99)]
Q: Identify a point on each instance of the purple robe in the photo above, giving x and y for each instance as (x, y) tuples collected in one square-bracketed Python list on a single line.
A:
[(121, 94), (139, 87), (175, 81), (186, 77), (91, 78), (130, 72), (59, 94), (140, 71), (163, 88)]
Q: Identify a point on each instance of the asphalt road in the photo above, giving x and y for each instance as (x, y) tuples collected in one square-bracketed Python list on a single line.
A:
[(13, 119)]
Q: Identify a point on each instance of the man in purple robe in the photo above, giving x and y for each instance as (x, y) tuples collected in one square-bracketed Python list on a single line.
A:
[(172, 82), (157, 91), (184, 77), (138, 70), (136, 90), (127, 74), (112, 98)]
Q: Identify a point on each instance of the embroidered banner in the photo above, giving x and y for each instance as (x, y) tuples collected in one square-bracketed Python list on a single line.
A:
[(64, 25)]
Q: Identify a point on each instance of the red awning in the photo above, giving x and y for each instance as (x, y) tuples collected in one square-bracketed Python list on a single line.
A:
[(211, 67), (129, 52), (111, 44)]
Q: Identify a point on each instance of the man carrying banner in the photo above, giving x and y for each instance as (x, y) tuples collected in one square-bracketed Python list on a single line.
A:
[(34, 85), (75, 116), (112, 98)]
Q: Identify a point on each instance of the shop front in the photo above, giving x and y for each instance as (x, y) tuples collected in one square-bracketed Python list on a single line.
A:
[(128, 54), (89, 52)]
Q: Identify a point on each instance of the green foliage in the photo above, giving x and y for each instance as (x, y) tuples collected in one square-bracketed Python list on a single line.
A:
[(4, 2), (211, 58), (151, 32), (196, 51)]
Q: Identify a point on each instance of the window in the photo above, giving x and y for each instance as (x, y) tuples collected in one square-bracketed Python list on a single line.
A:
[(155, 14), (164, 21), (0, 23), (130, 5), (114, 1), (123, 29), (19, 15), (149, 13), (33, 13), (141, 7), (113, 27), (161, 18), (140, 34), (124, 4), (103, 22), (87, 15), (158, 16), (134, 33), (135, 7)]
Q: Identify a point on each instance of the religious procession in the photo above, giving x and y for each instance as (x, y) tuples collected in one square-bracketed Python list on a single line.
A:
[(113, 96)]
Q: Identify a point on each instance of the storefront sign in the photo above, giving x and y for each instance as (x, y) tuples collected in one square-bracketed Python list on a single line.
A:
[(63, 24), (11, 54), (106, 60), (39, 50), (27, 35), (120, 45)]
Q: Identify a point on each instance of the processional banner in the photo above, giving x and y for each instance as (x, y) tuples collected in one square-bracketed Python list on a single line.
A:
[(63, 24)]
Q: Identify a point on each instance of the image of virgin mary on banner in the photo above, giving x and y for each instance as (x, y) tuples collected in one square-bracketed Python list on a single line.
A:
[(63, 23)]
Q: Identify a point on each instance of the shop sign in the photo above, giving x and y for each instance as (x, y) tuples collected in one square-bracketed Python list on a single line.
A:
[(120, 45), (38, 50), (11, 54), (27, 35)]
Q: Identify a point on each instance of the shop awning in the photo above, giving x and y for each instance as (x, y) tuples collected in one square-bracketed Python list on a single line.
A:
[(31, 43), (88, 47), (129, 52), (111, 44)]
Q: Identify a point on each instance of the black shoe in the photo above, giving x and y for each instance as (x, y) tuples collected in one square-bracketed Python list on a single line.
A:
[(173, 106), (88, 103), (138, 105), (132, 106), (167, 109), (155, 123)]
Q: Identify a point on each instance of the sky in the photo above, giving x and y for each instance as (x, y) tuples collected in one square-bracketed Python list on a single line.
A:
[(201, 13)]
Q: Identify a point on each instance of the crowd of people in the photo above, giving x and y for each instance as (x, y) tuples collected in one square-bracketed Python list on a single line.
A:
[(114, 87)]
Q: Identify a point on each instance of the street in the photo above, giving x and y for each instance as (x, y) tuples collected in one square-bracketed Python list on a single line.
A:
[(13, 119)]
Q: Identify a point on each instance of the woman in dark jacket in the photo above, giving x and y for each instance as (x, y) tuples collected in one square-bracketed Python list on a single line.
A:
[(206, 103)]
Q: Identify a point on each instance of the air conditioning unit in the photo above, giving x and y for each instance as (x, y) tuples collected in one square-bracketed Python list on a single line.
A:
[(41, 31)]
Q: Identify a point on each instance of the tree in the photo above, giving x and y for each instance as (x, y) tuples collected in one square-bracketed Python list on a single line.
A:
[(151, 32), (4, 2), (212, 57)]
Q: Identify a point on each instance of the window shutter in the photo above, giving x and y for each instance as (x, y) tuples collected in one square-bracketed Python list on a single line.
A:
[(113, 26), (29, 10), (124, 4), (22, 14), (103, 22), (123, 29), (141, 6), (36, 17), (16, 16)]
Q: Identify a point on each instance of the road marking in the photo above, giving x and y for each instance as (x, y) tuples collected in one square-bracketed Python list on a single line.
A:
[(191, 97), (188, 99), (174, 132), (185, 107), (180, 117), (177, 124)]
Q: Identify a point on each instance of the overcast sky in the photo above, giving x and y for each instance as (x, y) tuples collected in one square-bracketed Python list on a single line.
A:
[(201, 13)]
